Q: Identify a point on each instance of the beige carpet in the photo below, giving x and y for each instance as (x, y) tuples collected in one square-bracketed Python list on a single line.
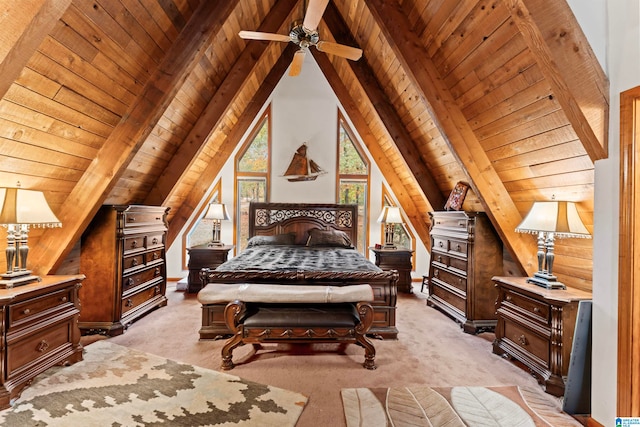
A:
[(118, 386), (507, 406)]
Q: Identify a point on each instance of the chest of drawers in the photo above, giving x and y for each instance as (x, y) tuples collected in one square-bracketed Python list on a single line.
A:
[(536, 327), (39, 330), (123, 257), (465, 254)]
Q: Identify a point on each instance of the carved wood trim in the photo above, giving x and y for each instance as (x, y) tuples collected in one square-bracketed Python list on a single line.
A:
[(628, 402)]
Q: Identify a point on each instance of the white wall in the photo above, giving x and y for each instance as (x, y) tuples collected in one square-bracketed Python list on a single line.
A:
[(303, 109), (612, 27)]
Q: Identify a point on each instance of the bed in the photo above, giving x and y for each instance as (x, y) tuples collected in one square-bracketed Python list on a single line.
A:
[(301, 244)]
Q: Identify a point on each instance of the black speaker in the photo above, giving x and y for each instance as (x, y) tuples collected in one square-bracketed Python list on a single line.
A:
[(577, 391)]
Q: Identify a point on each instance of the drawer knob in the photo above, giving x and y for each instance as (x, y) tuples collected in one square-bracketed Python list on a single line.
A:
[(134, 262), (63, 299), (154, 240), (130, 281), (156, 255), (129, 303), (536, 310), (439, 258), (458, 247), (42, 346), (157, 290), (157, 271), (522, 340), (440, 244), (435, 273), (132, 219), (134, 244), (508, 298), (26, 311)]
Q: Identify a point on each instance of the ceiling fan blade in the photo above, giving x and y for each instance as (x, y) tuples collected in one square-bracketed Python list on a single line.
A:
[(256, 35), (312, 17), (348, 52), (296, 64)]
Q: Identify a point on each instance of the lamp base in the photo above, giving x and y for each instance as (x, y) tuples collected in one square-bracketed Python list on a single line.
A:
[(10, 280), (389, 246), (215, 244), (546, 280)]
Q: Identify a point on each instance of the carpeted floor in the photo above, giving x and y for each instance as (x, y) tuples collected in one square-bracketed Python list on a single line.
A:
[(431, 350), (118, 386)]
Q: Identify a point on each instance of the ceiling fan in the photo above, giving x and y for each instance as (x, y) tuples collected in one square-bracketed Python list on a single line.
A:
[(305, 34)]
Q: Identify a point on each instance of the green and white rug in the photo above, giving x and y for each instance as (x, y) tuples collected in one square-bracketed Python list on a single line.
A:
[(118, 386)]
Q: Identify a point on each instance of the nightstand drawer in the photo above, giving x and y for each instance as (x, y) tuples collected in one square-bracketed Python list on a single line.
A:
[(535, 309), (528, 342), (22, 352), (23, 312)]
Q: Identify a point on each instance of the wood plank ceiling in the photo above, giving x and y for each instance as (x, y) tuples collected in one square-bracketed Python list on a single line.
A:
[(142, 101)]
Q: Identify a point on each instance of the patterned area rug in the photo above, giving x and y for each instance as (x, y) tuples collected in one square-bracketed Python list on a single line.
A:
[(452, 407), (117, 386)]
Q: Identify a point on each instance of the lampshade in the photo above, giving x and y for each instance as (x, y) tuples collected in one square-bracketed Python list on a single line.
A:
[(560, 218), (390, 215), (19, 206), (217, 211)]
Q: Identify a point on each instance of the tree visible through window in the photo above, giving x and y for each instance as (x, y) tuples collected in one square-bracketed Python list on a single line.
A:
[(252, 172), (353, 178)]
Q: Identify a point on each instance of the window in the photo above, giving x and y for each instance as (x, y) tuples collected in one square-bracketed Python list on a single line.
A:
[(252, 175), (353, 178)]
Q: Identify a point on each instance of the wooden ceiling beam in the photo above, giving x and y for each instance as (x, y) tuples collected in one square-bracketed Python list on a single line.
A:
[(127, 137), (24, 26), (386, 112), (199, 190), (448, 117), (279, 17), (420, 224), (583, 95)]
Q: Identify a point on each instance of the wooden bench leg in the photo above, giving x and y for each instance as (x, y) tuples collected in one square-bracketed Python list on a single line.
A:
[(365, 310), (233, 312)]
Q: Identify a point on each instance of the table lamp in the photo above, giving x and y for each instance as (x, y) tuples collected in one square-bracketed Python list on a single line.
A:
[(217, 212), (20, 209), (390, 216), (550, 220)]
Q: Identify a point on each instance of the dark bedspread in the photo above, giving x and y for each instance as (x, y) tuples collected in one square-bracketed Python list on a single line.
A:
[(299, 258)]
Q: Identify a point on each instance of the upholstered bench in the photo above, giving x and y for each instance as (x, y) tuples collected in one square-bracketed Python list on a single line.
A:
[(260, 313)]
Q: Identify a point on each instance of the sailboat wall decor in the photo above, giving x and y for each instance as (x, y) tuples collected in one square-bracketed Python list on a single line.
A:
[(302, 168)]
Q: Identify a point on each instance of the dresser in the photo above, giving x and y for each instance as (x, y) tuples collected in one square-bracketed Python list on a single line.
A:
[(536, 327), (39, 330), (465, 254), (396, 259), (204, 256), (123, 257)]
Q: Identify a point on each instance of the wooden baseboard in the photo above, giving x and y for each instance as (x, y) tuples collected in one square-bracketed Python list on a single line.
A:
[(587, 421)]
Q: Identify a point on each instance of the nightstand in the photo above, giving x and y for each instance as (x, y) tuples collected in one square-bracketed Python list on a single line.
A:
[(396, 259), (204, 256), (536, 327)]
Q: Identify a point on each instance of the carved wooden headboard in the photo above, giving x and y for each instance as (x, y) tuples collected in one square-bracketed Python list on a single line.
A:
[(268, 219)]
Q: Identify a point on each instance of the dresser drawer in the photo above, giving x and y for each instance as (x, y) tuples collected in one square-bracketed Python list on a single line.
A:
[(23, 312), (446, 245), (440, 291), (139, 218), (140, 278), (154, 256), (155, 240), (458, 282), (134, 243), (537, 310), (529, 342), (23, 351), (450, 222), (134, 300), (132, 262)]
